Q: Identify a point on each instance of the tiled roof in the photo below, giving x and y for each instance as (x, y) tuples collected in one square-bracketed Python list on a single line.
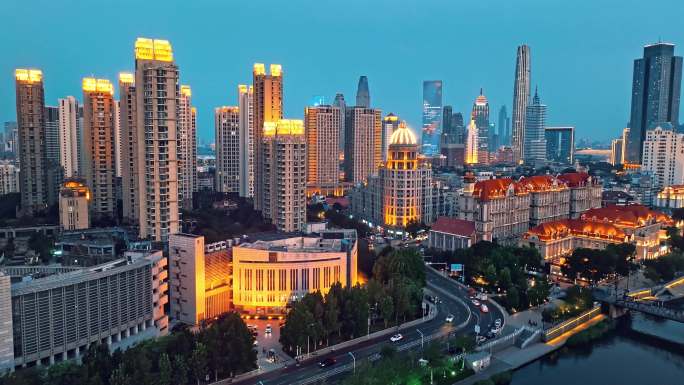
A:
[(575, 179), (631, 215), (493, 188), (541, 182), (564, 227), (454, 226)]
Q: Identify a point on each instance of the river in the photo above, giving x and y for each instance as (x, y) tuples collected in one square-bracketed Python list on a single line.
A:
[(634, 354)]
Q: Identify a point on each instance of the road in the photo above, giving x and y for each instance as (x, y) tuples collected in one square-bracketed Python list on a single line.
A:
[(453, 298)]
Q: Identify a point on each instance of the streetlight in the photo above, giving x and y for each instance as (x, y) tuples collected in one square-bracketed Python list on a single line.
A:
[(354, 362), (421, 338)]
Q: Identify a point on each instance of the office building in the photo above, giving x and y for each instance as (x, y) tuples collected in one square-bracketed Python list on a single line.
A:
[(130, 196), (585, 192), (560, 144), (549, 198), (68, 136), (98, 127), (228, 149), (322, 128), (454, 154), (9, 177), (389, 124), (656, 90), (447, 129), (472, 144), (363, 146), (200, 278), (363, 93), (74, 199), (268, 107), (270, 274), (284, 168), (521, 98), (663, 157), (186, 146), (432, 117), (504, 127), (157, 74), (11, 140), (54, 168), (480, 115), (246, 135), (342, 105), (535, 125), (615, 152)]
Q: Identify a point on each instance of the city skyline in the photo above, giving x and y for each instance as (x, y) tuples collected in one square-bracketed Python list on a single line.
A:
[(565, 83)]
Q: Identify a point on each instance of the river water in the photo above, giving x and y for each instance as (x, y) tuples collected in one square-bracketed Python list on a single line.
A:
[(641, 351)]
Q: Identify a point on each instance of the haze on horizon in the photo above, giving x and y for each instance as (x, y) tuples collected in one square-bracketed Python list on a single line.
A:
[(582, 51)]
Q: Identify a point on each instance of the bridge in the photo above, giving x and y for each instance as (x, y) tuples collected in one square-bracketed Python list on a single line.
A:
[(654, 301)]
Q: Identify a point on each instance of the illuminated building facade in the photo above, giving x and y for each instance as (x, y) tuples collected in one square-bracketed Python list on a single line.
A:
[(99, 168), (585, 192), (389, 124), (363, 143), (130, 197), (74, 198), (560, 144), (270, 274), (9, 177), (480, 115), (200, 279), (68, 135), (246, 135), (187, 146), (549, 198), (322, 128), (432, 117), (33, 172), (472, 144), (268, 107), (284, 174), (616, 152), (671, 197), (664, 157), (535, 141), (521, 98), (157, 132), (228, 149)]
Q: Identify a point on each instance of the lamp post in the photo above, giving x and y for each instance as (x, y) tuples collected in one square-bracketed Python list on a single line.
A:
[(353, 362), (421, 339)]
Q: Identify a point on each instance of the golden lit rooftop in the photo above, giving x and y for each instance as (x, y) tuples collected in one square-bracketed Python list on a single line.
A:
[(126, 78), (403, 136), (276, 70), (148, 49), (97, 85), (28, 75), (259, 69), (186, 91)]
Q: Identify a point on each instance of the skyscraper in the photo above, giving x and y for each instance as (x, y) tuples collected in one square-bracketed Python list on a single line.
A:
[(363, 146), (130, 196), (54, 168), (117, 137), (157, 131), (389, 124), (521, 97), (504, 127), (362, 93), (535, 141), (480, 115), (458, 127), (447, 112), (663, 156), (33, 173), (246, 134), (322, 128), (342, 105), (432, 117), (471, 144), (560, 144), (268, 107), (615, 152), (187, 146), (284, 146), (656, 88), (228, 149), (98, 129)]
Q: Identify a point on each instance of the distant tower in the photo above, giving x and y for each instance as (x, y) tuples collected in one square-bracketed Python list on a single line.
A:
[(504, 127), (656, 89), (129, 153), (363, 146), (246, 108), (480, 115), (322, 127), (471, 144), (432, 117), (342, 105), (54, 168), (187, 146), (389, 124), (447, 129), (362, 93), (228, 149), (535, 140), (521, 97)]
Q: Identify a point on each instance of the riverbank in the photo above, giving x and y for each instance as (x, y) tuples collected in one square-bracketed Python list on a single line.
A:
[(591, 334)]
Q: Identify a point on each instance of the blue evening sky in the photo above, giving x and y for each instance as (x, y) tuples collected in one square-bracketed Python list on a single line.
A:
[(582, 50)]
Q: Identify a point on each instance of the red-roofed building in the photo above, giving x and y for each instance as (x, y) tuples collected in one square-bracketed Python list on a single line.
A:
[(585, 192), (450, 234), (549, 198)]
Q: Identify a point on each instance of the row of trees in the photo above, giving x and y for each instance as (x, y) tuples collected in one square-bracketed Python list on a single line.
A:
[(220, 350), (595, 265), (393, 295)]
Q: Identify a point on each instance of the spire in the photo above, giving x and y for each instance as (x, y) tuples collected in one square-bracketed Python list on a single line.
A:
[(481, 93), (536, 99)]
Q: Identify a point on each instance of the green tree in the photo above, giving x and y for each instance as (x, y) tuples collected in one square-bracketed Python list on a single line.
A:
[(331, 317), (165, 370), (513, 298), (386, 305), (119, 377), (490, 275), (198, 362), (66, 373), (505, 278), (180, 371)]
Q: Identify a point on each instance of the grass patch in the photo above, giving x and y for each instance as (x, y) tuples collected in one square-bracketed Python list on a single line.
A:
[(591, 334)]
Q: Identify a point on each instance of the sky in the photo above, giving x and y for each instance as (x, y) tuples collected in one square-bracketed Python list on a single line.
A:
[(582, 50)]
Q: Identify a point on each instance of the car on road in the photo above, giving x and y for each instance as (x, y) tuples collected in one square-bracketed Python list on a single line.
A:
[(450, 318), (330, 361), (497, 323), (476, 302), (268, 329), (480, 339), (484, 308), (397, 337)]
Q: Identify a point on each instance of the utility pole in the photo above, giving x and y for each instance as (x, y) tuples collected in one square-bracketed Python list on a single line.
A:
[(421, 340)]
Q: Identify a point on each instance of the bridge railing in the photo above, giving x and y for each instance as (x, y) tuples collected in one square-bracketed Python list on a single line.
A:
[(564, 326)]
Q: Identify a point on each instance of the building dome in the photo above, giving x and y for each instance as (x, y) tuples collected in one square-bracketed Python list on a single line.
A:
[(403, 136)]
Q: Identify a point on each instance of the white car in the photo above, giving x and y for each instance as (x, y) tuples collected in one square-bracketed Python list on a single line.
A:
[(268, 329), (497, 323), (397, 337), (476, 302), (484, 308), (450, 318)]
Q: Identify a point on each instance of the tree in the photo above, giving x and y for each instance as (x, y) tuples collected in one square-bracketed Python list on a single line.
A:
[(42, 245), (180, 371), (198, 362), (98, 362), (513, 298), (165, 370), (386, 305), (505, 278), (490, 275), (66, 373), (331, 317), (539, 292), (119, 377)]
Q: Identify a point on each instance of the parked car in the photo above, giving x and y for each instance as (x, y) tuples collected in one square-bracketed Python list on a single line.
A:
[(497, 323), (397, 337), (330, 361), (484, 308), (480, 339), (450, 318), (476, 302)]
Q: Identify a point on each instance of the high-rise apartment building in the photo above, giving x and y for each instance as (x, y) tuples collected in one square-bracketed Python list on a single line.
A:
[(33, 173), (74, 199), (322, 128), (560, 144), (187, 147), (342, 105), (616, 152), (130, 195), (9, 177), (363, 146), (363, 93), (535, 141), (68, 136), (625, 145), (268, 107), (389, 124), (480, 115), (656, 89), (98, 127), (432, 117), (247, 145), (117, 138), (471, 144), (54, 168), (228, 149), (663, 156), (284, 168), (156, 97), (11, 140), (521, 97)]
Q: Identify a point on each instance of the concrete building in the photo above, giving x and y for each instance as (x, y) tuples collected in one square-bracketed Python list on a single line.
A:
[(117, 138), (322, 130), (11, 139), (33, 173), (130, 195), (200, 278), (246, 134), (118, 303), (100, 164), (6, 333), (663, 156), (585, 192), (535, 141), (157, 133), (91, 247), (284, 172), (74, 200), (68, 136), (228, 149), (616, 152), (363, 146), (187, 147), (449, 234), (472, 146), (9, 177), (670, 198), (560, 144), (521, 98), (389, 124), (54, 169), (549, 198), (270, 274)]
